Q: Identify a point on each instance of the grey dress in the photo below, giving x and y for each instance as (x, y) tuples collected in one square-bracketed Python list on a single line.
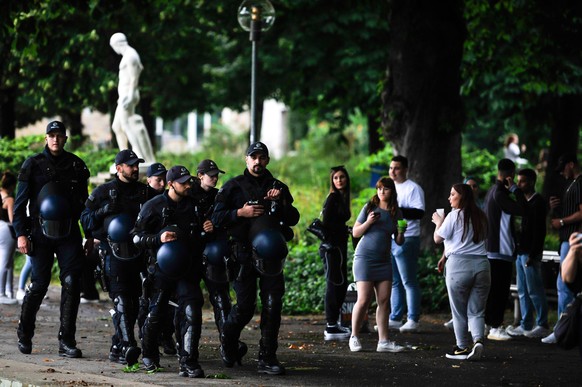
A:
[(372, 258)]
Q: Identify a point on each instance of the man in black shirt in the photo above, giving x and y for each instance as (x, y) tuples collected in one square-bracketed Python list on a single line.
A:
[(52, 185), (256, 210), (530, 247)]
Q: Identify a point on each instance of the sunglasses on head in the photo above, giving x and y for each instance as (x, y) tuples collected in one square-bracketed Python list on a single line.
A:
[(337, 168)]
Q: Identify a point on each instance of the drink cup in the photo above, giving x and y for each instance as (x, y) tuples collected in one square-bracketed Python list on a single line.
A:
[(402, 223), (440, 212)]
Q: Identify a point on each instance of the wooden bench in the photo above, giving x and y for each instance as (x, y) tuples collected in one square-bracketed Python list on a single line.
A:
[(550, 268)]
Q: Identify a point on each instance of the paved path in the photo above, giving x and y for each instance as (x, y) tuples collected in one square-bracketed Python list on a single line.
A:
[(309, 360)]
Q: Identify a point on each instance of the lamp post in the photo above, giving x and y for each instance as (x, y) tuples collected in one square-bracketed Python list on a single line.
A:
[(255, 16)]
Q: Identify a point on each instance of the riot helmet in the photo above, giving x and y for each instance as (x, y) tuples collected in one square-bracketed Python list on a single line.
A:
[(216, 258), (174, 258), (269, 251), (54, 211), (119, 236)]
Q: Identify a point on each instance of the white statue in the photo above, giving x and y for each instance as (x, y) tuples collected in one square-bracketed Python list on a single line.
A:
[(126, 124)]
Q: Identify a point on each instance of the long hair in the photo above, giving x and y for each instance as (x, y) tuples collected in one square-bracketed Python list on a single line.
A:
[(374, 202), (8, 180), (471, 213), (332, 189)]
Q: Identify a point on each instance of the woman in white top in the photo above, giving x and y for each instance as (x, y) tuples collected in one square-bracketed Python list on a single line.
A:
[(468, 276)]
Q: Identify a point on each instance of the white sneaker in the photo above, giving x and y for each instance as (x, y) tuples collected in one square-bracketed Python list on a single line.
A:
[(84, 300), (476, 351), (20, 294), (538, 332), (389, 346), (7, 300), (410, 326), (449, 325), (550, 339), (355, 345), (393, 324), (498, 334), (516, 331)]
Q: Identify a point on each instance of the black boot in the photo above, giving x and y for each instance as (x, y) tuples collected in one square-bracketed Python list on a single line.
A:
[(116, 355), (270, 366), (270, 323), (151, 364), (69, 350), (70, 297), (191, 371), (190, 322), (30, 305), (124, 319)]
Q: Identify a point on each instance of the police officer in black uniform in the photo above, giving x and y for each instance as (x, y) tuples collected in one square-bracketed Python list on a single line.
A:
[(53, 185), (110, 215), (168, 224), (257, 211)]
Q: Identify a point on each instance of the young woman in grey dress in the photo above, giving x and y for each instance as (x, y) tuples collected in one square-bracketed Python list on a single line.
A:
[(376, 225)]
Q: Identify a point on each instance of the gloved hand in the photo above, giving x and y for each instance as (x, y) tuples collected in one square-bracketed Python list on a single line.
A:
[(108, 209)]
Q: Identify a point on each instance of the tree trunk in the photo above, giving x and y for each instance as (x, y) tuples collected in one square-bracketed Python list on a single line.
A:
[(422, 112), (149, 119), (565, 120), (72, 120), (374, 143), (7, 113)]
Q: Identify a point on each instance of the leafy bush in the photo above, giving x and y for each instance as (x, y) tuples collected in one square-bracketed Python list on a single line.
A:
[(304, 280)]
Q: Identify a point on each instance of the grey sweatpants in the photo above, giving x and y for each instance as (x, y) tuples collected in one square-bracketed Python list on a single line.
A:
[(7, 247), (468, 279)]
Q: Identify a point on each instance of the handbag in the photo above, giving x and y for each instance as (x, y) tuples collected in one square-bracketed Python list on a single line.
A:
[(567, 329), (317, 228)]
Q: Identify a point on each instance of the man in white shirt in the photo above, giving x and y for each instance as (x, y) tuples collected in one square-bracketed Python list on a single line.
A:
[(405, 286)]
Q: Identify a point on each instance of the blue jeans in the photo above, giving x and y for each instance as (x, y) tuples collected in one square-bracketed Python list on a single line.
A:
[(405, 288), (25, 273), (532, 295), (565, 295)]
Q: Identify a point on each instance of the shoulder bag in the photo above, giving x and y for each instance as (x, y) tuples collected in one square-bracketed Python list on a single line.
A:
[(567, 329)]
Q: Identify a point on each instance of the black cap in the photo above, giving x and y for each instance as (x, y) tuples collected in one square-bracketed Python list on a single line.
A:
[(156, 169), (179, 174), (127, 156), (209, 167), (56, 126), (258, 147), (565, 159)]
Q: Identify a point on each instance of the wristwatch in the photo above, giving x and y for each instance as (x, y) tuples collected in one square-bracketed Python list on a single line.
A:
[(561, 222)]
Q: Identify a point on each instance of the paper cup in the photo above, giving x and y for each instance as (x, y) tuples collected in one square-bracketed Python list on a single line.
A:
[(440, 212)]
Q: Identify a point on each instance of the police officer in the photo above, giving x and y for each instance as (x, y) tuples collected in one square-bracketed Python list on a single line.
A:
[(257, 211), (168, 224), (216, 256), (156, 179), (110, 215), (53, 186)]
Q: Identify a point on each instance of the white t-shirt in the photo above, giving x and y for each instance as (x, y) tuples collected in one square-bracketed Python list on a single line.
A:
[(452, 231), (410, 195)]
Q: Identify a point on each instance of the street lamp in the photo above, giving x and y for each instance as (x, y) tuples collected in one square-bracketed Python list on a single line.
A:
[(255, 16)]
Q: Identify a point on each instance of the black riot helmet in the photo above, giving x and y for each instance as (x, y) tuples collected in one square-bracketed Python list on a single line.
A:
[(174, 258), (119, 236), (216, 258), (269, 251), (54, 211)]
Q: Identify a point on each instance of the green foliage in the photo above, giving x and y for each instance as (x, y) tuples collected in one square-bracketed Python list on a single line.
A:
[(480, 164), (15, 151), (432, 283), (304, 280)]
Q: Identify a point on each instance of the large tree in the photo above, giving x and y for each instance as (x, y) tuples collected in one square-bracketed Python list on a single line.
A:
[(423, 114)]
